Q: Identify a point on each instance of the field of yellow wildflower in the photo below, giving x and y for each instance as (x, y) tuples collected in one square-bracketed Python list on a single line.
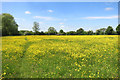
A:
[(60, 56)]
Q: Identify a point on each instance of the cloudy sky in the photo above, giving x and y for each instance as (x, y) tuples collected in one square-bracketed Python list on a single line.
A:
[(68, 16)]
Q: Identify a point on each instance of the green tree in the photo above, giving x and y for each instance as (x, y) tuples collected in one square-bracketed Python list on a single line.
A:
[(80, 31), (118, 29), (85, 32), (52, 31), (36, 28), (90, 32), (102, 31), (46, 33), (0, 25), (23, 32), (42, 33), (61, 32), (9, 26), (71, 33), (109, 30), (97, 32)]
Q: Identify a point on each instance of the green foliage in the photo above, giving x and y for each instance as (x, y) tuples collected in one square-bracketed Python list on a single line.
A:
[(90, 32), (118, 29), (9, 26), (0, 25), (109, 30), (52, 31), (80, 31), (97, 32), (25, 32), (22, 32), (46, 33), (42, 33), (100, 31), (85, 33), (36, 28), (71, 33), (61, 32)]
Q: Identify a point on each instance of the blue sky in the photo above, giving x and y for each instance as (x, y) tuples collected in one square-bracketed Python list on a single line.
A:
[(68, 16)]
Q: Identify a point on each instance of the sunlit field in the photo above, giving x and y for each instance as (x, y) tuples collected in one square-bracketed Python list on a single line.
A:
[(60, 56)]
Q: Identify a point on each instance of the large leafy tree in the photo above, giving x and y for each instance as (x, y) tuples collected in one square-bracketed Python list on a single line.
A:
[(36, 27), (52, 31), (80, 31), (9, 26), (0, 25), (118, 29), (109, 30)]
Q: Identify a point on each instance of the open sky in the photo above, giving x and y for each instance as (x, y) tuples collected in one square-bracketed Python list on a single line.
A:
[(68, 16)]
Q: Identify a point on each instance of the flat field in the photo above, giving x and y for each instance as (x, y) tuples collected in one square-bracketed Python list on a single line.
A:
[(60, 56)]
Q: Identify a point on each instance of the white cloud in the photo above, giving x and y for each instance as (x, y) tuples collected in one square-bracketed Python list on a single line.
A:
[(50, 10), (41, 22), (108, 9), (61, 23), (42, 17), (27, 12), (101, 17)]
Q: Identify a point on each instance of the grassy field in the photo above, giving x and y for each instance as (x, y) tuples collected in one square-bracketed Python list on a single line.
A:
[(60, 56)]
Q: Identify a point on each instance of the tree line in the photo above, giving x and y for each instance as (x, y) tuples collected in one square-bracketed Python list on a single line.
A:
[(10, 27)]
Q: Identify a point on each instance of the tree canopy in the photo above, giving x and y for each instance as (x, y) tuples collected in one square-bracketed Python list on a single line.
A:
[(36, 27), (61, 32), (52, 31), (109, 30), (80, 31), (9, 26), (118, 29)]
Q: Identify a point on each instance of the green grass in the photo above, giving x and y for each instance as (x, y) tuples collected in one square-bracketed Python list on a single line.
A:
[(60, 57)]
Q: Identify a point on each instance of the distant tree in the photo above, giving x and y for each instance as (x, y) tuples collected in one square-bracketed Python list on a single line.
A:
[(97, 32), (118, 29), (80, 31), (22, 32), (61, 32), (109, 30), (42, 33), (90, 32), (102, 31), (85, 33), (52, 31), (29, 33), (36, 27), (71, 33), (9, 26), (114, 32), (25, 32), (46, 33)]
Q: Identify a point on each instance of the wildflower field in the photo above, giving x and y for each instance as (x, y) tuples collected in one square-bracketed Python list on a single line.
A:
[(60, 56)]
